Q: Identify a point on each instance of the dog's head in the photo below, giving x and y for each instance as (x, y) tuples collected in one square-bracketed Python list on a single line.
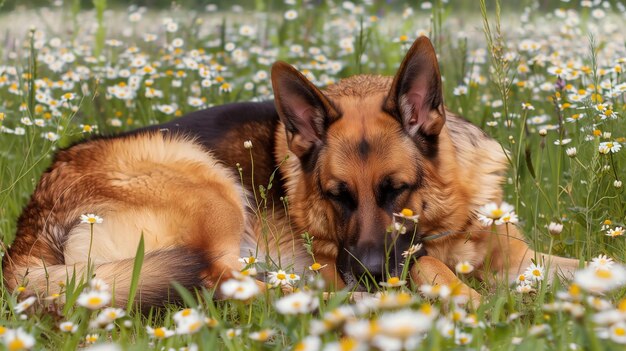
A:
[(364, 146)]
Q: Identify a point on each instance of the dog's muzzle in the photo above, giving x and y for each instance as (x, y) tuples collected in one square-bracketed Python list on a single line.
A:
[(364, 265)]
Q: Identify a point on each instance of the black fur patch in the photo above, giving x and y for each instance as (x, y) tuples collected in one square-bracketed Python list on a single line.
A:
[(182, 265), (364, 148), (428, 145), (308, 161)]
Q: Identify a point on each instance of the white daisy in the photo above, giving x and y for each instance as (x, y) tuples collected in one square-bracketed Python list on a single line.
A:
[(297, 303), (602, 262), (240, 289), (492, 212), (90, 218), (159, 333), (464, 267), (535, 272), (93, 299), (18, 339)]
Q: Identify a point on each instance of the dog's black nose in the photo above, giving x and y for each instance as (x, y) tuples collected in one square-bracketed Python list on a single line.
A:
[(368, 263), (364, 265)]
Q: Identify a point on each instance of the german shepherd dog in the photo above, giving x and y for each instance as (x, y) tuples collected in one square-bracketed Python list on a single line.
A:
[(347, 158)]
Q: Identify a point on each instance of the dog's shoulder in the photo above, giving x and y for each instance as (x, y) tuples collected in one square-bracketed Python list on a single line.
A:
[(481, 158)]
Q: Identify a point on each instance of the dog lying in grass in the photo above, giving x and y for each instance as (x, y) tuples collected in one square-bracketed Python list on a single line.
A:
[(345, 165)]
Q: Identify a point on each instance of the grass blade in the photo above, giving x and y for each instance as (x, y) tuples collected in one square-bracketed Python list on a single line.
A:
[(136, 272)]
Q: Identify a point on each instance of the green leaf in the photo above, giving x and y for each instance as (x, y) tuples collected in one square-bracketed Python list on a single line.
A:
[(187, 297), (136, 272)]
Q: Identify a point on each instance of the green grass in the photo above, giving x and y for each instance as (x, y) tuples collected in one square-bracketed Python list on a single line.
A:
[(483, 55)]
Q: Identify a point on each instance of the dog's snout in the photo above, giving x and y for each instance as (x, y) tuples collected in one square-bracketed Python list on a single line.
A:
[(366, 263), (368, 259)]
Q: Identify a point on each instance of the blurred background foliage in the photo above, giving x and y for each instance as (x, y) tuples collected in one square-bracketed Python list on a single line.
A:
[(264, 5)]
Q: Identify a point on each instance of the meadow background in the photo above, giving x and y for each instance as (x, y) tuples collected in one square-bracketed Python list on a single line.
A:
[(545, 78)]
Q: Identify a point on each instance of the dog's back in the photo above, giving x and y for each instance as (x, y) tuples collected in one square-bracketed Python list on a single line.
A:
[(160, 182)]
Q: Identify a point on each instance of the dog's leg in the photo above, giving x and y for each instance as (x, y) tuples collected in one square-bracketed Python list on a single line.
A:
[(520, 256), (429, 270), (554, 265), (217, 225), (330, 273)]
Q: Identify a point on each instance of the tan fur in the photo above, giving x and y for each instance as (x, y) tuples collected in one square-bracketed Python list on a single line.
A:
[(135, 184)]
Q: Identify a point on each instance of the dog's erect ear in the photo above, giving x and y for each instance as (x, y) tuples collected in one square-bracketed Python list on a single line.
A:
[(416, 97), (304, 110)]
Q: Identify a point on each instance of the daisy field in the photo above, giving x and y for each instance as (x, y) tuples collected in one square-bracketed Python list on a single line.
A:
[(544, 78)]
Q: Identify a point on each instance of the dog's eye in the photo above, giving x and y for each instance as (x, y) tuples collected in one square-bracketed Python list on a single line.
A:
[(388, 191), (398, 189), (342, 196)]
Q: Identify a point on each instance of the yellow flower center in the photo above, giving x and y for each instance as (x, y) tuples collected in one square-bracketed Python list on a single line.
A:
[(596, 97), (496, 213), (347, 344), (406, 212), (186, 312), (21, 289), (620, 331), (536, 272), (404, 38), (292, 276), (194, 326), (94, 301), (521, 278), (607, 222), (426, 309), (621, 306), (373, 327), (281, 276), (251, 259), (16, 344), (159, 333), (574, 290), (316, 266), (91, 220), (604, 274), (393, 281), (404, 298)]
